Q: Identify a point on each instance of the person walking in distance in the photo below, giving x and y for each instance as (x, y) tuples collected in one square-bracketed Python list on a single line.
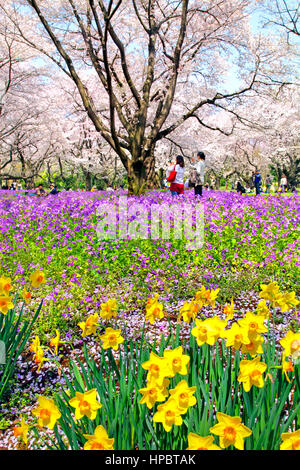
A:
[(283, 183), (199, 172), (175, 176), (268, 184), (257, 182)]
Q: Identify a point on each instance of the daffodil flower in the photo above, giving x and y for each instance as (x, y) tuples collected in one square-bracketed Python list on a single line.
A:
[(154, 312), (253, 323), (157, 368), (55, 342), (184, 396), (6, 304), (89, 326), (291, 440), (176, 361), (154, 392), (168, 414), (236, 336), (86, 404), (196, 442), (37, 278), (47, 412), (112, 338), (5, 285), (291, 344), (229, 310), (251, 373), (99, 440), (231, 431), (189, 311), (26, 296), (108, 309), (22, 430)]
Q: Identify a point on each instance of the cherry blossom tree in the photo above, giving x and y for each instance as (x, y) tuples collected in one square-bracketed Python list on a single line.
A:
[(158, 64), (286, 15)]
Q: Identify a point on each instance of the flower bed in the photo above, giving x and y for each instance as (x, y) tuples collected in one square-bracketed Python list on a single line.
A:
[(115, 310)]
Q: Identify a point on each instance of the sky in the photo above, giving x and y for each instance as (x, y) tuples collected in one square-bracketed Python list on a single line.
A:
[(258, 23)]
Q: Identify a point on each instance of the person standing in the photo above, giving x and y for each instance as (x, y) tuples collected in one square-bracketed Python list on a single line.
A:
[(283, 183), (199, 168), (268, 184), (257, 182), (177, 184)]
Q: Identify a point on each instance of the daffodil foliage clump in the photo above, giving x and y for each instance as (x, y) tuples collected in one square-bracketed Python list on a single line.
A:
[(230, 386)]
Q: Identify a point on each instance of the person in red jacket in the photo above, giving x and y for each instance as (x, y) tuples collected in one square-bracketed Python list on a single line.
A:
[(177, 185)]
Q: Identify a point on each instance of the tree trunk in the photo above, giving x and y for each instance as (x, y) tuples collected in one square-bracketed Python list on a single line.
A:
[(141, 174), (151, 175), (88, 181), (136, 177)]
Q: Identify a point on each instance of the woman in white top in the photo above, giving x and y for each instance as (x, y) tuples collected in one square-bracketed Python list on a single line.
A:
[(283, 183), (177, 185)]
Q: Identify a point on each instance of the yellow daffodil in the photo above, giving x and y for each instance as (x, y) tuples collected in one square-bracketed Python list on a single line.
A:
[(22, 430), (278, 301), (211, 296), (236, 336), (291, 440), (269, 291), (176, 361), (189, 311), (229, 310), (291, 344), (112, 338), (153, 393), (37, 278), (157, 368), (85, 404), (263, 309), (55, 342), (251, 373), (231, 431), (219, 325), (151, 301), (35, 345), (109, 309), (5, 304), (168, 414), (287, 366), (254, 324), (206, 331), (39, 357), (5, 285), (196, 442), (254, 347), (89, 326), (26, 296), (154, 312), (201, 296), (184, 396), (99, 440), (287, 301), (47, 412)]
